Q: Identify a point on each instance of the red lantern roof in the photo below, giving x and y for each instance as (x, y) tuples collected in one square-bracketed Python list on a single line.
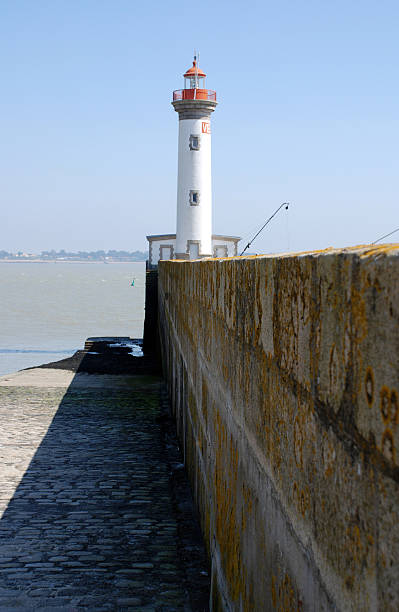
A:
[(194, 70)]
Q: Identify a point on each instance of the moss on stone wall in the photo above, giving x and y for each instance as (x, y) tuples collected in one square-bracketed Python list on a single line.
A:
[(284, 377)]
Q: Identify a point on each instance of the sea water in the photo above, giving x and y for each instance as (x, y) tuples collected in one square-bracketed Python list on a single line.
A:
[(47, 310)]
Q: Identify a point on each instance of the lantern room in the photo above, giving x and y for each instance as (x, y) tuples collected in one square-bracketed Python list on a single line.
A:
[(195, 77), (194, 85)]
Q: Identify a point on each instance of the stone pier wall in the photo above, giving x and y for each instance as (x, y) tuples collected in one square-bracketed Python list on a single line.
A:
[(284, 378), (151, 332)]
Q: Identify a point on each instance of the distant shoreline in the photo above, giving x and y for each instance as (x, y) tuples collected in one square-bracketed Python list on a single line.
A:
[(68, 261)]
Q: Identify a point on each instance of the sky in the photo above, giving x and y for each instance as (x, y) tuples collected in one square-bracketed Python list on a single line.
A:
[(307, 114)]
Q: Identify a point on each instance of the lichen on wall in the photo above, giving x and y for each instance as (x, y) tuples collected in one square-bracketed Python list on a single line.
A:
[(284, 377)]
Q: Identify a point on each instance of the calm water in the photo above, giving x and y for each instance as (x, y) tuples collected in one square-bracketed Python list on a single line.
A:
[(48, 310)]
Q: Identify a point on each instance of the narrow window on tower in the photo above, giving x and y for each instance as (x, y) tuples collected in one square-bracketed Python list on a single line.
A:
[(194, 142), (194, 197)]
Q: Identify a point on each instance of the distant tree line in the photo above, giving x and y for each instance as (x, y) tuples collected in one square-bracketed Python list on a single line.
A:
[(78, 256)]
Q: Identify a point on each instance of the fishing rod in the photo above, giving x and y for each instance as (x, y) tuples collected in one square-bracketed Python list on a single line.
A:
[(286, 204), (386, 236)]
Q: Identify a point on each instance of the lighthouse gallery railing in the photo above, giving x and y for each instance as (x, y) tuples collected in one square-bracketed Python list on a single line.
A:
[(194, 94)]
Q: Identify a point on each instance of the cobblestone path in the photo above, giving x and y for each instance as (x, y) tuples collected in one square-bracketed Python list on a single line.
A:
[(89, 520)]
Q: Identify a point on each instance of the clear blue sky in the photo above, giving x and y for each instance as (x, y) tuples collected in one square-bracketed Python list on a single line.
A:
[(308, 113)]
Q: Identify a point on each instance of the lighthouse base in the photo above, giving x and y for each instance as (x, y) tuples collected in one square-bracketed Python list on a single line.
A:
[(163, 246)]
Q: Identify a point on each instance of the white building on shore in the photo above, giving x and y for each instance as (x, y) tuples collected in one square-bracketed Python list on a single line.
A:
[(193, 238)]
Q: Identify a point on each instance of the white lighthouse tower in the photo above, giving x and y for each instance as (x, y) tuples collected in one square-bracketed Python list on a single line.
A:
[(194, 104), (193, 239)]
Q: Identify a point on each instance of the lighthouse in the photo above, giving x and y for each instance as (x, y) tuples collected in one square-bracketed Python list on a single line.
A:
[(193, 239), (194, 105)]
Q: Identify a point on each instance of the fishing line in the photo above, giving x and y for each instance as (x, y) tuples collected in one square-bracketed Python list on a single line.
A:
[(286, 204), (386, 236), (287, 228)]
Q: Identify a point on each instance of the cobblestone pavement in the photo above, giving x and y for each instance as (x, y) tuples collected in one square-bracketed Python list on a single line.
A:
[(89, 519)]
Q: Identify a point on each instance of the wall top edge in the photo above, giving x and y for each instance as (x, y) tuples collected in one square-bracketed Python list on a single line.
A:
[(362, 251), (224, 237), (160, 237), (214, 237)]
